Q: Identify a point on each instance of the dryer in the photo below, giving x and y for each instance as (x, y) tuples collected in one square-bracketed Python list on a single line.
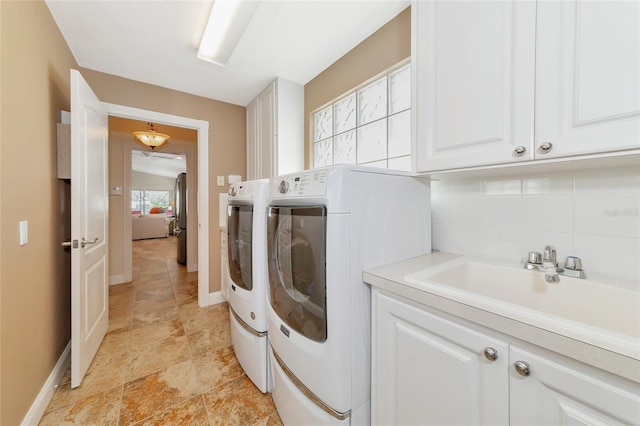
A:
[(324, 227), (247, 278)]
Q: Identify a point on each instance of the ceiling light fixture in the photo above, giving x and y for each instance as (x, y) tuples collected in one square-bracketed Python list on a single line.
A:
[(151, 137), (227, 22)]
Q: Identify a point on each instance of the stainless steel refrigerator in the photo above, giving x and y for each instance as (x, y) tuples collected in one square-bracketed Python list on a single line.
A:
[(181, 217)]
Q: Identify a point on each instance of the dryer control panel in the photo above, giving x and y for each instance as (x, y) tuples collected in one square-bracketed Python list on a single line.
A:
[(312, 183)]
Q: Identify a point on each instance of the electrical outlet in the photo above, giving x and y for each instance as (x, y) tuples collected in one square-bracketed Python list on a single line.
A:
[(220, 180)]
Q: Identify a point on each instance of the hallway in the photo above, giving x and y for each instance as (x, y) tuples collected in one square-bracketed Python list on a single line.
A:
[(164, 360)]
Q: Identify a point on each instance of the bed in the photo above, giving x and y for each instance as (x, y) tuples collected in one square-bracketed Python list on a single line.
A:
[(144, 226)]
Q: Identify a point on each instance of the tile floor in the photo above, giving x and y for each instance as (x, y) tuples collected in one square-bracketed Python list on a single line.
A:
[(164, 360)]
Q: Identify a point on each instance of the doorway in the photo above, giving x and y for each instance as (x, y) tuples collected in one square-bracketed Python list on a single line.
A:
[(199, 162), (158, 203)]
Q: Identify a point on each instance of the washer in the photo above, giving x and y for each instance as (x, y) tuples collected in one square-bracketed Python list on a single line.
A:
[(324, 227), (247, 278)]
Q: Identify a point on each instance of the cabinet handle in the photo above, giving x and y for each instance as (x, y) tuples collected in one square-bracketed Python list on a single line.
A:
[(545, 147), (491, 354), (522, 368), (519, 151)]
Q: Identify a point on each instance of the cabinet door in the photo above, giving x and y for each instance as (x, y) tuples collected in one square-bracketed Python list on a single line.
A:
[(587, 77), (267, 151), (427, 370), (557, 393), (473, 69), (253, 143)]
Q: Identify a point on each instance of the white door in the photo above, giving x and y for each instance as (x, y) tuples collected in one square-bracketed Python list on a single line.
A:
[(549, 392), (587, 85), (473, 70), (267, 137), (89, 207), (427, 370)]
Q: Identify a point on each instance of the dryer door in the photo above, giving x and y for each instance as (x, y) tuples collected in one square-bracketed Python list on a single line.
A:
[(296, 250), (239, 238)]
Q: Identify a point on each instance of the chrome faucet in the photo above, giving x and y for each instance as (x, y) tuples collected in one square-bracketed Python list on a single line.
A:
[(549, 257), (548, 264)]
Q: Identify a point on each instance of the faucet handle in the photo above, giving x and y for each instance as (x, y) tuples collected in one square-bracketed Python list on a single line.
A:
[(574, 263), (549, 254), (535, 258)]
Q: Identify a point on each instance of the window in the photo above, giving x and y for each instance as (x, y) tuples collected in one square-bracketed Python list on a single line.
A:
[(143, 200), (370, 125)]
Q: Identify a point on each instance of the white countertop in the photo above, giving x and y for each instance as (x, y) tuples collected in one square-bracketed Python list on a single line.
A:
[(615, 353)]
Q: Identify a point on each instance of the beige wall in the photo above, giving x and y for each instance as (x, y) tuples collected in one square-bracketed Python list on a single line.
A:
[(383, 49), (227, 136), (34, 279), (151, 182)]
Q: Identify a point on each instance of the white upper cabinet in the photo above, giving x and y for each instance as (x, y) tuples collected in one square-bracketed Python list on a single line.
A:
[(486, 71), (473, 67), (587, 77), (275, 131)]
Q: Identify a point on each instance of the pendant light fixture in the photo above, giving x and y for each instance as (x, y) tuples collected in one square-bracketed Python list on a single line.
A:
[(151, 137)]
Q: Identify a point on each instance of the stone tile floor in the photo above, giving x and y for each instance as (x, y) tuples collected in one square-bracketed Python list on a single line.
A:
[(164, 360)]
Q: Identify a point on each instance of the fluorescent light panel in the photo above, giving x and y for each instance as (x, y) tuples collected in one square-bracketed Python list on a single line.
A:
[(227, 22)]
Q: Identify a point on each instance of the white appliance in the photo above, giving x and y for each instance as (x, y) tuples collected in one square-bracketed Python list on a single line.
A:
[(224, 262), (247, 278), (324, 227)]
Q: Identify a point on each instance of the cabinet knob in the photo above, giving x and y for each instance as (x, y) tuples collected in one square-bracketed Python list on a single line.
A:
[(491, 354), (545, 147), (523, 368), (519, 151)]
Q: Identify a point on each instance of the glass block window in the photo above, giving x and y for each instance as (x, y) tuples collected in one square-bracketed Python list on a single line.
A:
[(370, 125)]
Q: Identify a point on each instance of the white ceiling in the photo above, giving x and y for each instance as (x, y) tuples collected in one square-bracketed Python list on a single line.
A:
[(156, 42), (158, 163)]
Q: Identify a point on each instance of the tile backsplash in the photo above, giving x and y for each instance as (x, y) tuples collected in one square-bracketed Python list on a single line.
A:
[(593, 214)]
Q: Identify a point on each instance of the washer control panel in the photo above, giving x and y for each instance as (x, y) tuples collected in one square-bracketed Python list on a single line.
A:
[(312, 183), (241, 191)]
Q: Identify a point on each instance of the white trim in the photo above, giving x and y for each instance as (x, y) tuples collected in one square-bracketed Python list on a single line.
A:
[(203, 214), (117, 279), (215, 298), (203, 180), (40, 404)]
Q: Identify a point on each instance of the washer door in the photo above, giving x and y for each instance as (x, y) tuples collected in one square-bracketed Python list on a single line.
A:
[(239, 238), (296, 249)]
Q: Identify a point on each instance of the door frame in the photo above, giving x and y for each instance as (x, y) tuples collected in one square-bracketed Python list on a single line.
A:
[(202, 127)]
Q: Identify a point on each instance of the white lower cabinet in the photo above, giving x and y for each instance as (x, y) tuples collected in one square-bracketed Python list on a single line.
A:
[(432, 370), (564, 392)]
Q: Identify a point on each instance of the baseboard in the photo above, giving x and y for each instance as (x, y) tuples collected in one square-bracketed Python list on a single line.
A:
[(117, 279), (215, 298), (43, 399)]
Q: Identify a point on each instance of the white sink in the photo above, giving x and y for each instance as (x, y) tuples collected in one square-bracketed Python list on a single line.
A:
[(589, 311)]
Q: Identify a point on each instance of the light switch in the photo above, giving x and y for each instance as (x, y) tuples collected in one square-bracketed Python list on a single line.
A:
[(115, 190), (220, 180), (24, 232)]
